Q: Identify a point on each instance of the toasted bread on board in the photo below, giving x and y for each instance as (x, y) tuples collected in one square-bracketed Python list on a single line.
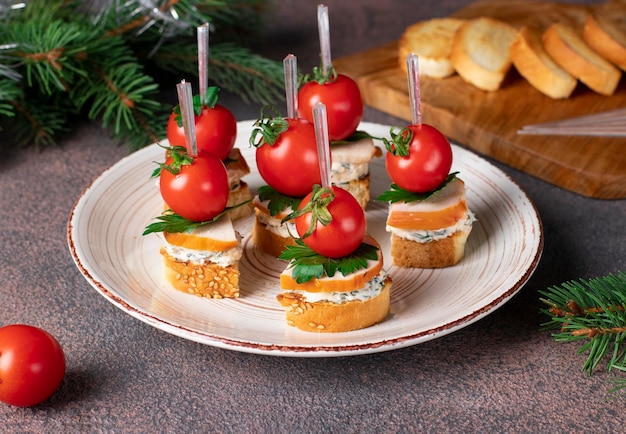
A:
[(481, 52), (534, 64), (431, 40), (607, 38), (568, 49)]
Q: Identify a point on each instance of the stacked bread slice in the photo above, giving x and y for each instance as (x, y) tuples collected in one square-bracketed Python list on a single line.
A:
[(339, 303), (553, 46), (204, 261)]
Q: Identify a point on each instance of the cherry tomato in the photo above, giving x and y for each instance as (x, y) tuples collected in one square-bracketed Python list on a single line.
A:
[(343, 234), (344, 104), (291, 164), (428, 161), (32, 365), (199, 191), (216, 131)]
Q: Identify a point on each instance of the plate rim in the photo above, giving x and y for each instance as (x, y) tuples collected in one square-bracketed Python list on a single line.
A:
[(385, 344)]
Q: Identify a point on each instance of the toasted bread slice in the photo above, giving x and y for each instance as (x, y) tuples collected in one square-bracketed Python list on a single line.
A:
[(534, 64), (237, 197), (481, 52), (434, 254), (607, 39), (350, 167), (430, 233), (268, 235), (329, 317), (431, 40), (267, 240), (569, 50), (237, 167), (204, 261), (202, 279)]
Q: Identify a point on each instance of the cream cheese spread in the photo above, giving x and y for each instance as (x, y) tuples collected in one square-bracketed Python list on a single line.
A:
[(223, 258), (371, 289), (426, 236), (341, 173)]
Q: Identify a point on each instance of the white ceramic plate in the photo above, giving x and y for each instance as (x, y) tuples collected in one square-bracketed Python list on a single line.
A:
[(104, 235)]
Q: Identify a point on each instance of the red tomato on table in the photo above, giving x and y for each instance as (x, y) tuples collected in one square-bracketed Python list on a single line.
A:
[(344, 104), (32, 365), (421, 164), (291, 164), (199, 191), (343, 234), (216, 131)]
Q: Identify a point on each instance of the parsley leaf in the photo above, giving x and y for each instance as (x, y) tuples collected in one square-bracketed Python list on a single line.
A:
[(277, 201), (355, 137), (307, 264), (171, 222), (397, 194)]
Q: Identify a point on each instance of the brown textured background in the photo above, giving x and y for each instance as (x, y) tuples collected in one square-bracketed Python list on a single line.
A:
[(501, 374)]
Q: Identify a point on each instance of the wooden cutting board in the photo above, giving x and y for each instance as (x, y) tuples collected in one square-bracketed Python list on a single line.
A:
[(487, 122)]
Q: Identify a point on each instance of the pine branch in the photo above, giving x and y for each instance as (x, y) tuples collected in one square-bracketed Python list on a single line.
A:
[(57, 56), (234, 68), (593, 310), (9, 93), (39, 122)]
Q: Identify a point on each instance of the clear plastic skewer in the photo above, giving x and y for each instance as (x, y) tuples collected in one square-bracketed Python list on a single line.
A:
[(412, 66), (203, 61), (290, 67), (320, 122), (323, 27), (185, 101)]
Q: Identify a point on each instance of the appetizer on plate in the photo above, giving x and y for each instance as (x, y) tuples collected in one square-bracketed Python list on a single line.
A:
[(332, 286), (428, 216), (200, 250)]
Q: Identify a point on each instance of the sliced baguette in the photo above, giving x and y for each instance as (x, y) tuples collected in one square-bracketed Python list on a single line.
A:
[(237, 167), (328, 317), (266, 240), (570, 51), (435, 254), (431, 40), (268, 235), (430, 233), (350, 167), (196, 262), (480, 52), (607, 39), (534, 64), (204, 280)]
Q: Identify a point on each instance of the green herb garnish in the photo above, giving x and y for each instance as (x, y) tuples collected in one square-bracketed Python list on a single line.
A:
[(355, 137), (397, 194), (171, 222), (277, 201), (307, 264)]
